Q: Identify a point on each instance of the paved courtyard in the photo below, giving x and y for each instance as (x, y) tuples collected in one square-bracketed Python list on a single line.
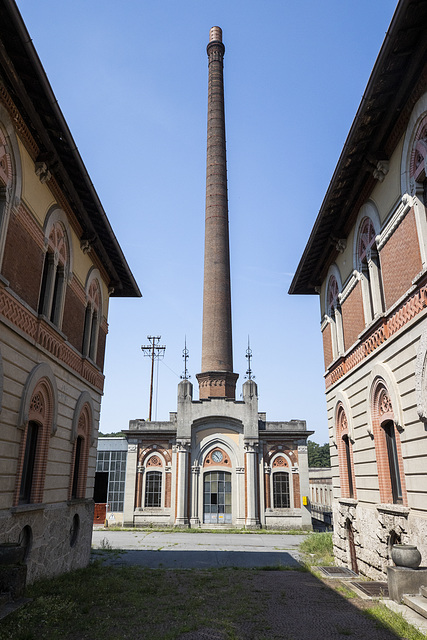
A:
[(185, 550)]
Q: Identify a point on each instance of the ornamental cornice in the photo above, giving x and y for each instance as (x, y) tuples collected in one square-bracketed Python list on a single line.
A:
[(404, 206)]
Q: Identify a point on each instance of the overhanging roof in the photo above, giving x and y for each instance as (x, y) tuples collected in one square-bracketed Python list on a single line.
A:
[(26, 82), (398, 78)]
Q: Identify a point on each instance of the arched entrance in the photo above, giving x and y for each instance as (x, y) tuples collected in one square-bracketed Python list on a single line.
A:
[(217, 497)]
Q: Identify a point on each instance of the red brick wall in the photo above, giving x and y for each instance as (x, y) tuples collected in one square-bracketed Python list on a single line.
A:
[(327, 345), (73, 321), (400, 260), (23, 263), (353, 319)]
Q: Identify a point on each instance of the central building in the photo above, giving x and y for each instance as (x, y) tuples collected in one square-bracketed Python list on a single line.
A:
[(217, 461)]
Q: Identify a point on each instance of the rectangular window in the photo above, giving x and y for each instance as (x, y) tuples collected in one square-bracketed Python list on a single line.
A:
[(74, 490), (153, 489), (281, 496), (348, 463), (29, 461), (113, 463), (393, 461)]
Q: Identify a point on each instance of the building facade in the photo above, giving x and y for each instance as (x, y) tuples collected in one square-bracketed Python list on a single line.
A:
[(372, 282), (217, 461), (59, 264)]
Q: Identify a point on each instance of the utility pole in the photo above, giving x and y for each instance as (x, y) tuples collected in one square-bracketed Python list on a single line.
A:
[(155, 351)]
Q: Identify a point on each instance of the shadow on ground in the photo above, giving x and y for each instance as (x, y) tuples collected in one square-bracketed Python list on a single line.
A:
[(176, 559)]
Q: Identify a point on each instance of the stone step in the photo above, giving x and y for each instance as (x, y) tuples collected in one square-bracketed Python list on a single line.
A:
[(417, 603), (423, 591)]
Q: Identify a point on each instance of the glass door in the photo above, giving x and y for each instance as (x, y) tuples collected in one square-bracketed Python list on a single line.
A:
[(217, 497)]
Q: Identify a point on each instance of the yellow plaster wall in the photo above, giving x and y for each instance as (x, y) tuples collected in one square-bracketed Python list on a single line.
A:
[(385, 194), (37, 196), (224, 433)]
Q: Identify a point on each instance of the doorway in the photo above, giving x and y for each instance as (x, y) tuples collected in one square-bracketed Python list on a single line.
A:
[(217, 497)]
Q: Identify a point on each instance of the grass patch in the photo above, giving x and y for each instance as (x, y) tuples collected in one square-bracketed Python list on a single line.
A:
[(384, 618), (105, 603), (317, 549)]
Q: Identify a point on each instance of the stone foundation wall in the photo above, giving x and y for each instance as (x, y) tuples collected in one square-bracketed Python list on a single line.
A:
[(375, 529), (55, 546)]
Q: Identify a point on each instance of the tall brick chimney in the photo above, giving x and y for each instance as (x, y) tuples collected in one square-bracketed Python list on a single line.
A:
[(217, 378)]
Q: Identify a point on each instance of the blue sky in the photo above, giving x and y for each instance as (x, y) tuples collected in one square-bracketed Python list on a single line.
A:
[(131, 80)]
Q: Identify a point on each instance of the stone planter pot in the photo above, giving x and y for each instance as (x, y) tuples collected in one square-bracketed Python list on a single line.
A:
[(406, 555), (11, 553)]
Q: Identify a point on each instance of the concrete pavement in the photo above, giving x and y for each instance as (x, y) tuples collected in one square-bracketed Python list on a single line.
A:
[(184, 550)]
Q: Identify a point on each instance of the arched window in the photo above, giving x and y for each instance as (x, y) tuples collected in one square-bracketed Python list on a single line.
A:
[(34, 446), (80, 455), (281, 484), (55, 274), (387, 447), (334, 313), (345, 455), (92, 319), (369, 265)]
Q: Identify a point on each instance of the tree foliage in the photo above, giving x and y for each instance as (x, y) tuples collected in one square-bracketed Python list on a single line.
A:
[(318, 455)]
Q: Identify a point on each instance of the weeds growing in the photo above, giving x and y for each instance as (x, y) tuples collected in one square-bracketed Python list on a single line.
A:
[(318, 549)]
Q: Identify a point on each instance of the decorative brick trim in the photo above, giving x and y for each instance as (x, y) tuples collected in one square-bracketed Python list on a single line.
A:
[(45, 336), (380, 332), (400, 212), (19, 124)]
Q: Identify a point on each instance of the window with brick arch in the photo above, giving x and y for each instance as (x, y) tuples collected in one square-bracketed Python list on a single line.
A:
[(387, 448), (345, 455), (34, 447), (334, 313), (55, 269), (80, 456), (92, 320), (369, 264)]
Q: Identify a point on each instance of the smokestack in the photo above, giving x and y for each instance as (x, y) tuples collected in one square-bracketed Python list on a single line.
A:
[(217, 378)]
